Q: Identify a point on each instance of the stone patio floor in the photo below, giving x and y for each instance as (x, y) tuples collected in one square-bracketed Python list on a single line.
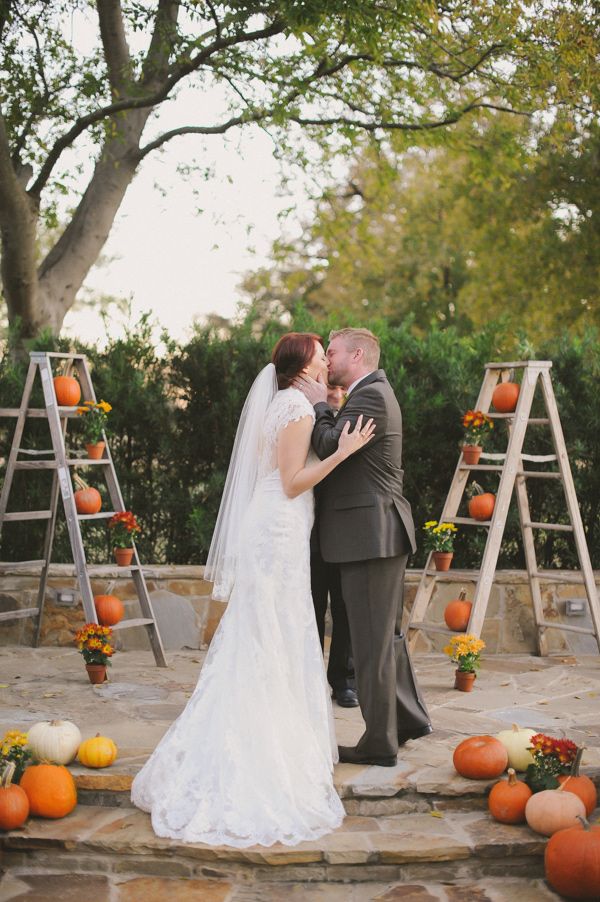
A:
[(389, 823)]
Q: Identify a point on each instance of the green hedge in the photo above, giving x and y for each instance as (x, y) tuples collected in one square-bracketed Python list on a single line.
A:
[(175, 415)]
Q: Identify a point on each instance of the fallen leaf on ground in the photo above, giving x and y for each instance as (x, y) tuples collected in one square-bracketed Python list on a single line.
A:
[(436, 814)]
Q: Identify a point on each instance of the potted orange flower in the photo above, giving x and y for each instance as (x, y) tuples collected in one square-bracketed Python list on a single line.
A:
[(93, 641), (477, 425), (124, 528)]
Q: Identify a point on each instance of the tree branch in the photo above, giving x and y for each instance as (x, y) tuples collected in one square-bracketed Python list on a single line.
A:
[(136, 103), (114, 44), (163, 38)]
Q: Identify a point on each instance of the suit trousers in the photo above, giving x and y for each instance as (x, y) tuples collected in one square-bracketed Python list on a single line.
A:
[(389, 697), (325, 586)]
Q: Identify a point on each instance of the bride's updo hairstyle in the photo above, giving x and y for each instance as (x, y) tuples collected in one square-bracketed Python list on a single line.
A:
[(292, 353)]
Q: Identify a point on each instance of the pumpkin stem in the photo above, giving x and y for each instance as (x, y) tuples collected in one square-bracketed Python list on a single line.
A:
[(577, 761), (474, 489), (79, 482), (516, 728), (462, 594), (512, 776), (562, 785), (7, 774), (585, 823)]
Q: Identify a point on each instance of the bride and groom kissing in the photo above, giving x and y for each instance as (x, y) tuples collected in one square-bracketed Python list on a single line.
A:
[(250, 759)]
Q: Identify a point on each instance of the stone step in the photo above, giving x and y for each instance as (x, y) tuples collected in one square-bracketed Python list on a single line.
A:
[(434, 846)]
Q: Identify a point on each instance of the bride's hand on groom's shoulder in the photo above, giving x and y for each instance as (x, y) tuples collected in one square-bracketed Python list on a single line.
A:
[(350, 442), (313, 389)]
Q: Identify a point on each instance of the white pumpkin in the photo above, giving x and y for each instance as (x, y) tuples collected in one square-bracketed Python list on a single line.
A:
[(517, 742), (54, 741)]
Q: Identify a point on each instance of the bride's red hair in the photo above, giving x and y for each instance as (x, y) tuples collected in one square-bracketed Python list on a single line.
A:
[(292, 353)]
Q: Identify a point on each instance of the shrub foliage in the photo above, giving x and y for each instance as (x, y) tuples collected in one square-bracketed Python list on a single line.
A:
[(175, 414)]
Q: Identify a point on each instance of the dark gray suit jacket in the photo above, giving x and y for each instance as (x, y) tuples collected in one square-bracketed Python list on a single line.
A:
[(362, 511)]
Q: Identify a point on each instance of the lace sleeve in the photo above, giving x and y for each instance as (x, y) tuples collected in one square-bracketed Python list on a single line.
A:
[(287, 407)]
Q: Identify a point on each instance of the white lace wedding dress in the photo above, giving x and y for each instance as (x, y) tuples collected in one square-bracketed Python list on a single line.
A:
[(250, 759)]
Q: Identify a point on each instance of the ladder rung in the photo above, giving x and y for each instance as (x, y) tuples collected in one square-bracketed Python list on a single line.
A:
[(31, 453), (467, 521), (519, 364), (86, 462), (138, 621), (37, 412), (454, 576), (42, 354), (101, 516), (558, 527), (532, 474), (17, 615), (430, 627), (35, 465), (489, 467), (501, 416), (538, 421), (567, 626), (548, 576), (27, 515)]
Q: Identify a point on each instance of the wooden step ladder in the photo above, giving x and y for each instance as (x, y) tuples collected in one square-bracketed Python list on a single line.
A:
[(511, 468), (60, 465)]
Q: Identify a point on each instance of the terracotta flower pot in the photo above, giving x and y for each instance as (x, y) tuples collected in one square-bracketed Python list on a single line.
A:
[(96, 672), (442, 559), (95, 450), (464, 680), (123, 556), (471, 453)]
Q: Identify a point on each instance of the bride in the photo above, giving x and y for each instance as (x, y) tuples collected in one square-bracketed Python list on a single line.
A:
[(250, 759)]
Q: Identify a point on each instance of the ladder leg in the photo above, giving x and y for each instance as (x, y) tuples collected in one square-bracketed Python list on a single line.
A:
[(531, 563), (572, 505), (147, 611), (503, 496), (16, 443)]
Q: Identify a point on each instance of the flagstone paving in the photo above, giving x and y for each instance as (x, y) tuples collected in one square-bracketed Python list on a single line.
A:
[(417, 831)]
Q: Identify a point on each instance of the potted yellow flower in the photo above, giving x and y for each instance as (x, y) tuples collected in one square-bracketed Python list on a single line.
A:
[(465, 651), (94, 415), (476, 425), (439, 539), (93, 641)]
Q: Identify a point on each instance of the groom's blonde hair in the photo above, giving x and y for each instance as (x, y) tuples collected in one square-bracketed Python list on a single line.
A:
[(360, 338)]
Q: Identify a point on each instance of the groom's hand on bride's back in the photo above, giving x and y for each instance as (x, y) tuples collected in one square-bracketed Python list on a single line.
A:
[(313, 389)]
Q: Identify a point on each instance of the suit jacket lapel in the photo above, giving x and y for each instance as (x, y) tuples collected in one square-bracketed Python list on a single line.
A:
[(375, 376)]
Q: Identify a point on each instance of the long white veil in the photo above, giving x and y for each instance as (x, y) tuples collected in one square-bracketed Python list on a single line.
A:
[(239, 485)]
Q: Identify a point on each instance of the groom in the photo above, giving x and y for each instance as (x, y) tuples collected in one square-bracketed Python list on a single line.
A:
[(366, 528)]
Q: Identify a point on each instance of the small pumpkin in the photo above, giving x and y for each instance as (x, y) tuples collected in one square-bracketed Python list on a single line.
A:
[(572, 861), (14, 804), (517, 742), (508, 798), (100, 751), (480, 758), (581, 785), (458, 613), (50, 789), (481, 504), (505, 397), (67, 390), (54, 741), (109, 609), (553, 809), (87, 499)]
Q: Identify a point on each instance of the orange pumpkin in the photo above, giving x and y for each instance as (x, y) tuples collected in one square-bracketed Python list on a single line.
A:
[(67, 390), (508, 798), (481, 507), (480, 758), (109, 609), (50, 789), (87, 499), (457, 613), (581, 785), (572, 861), (14, 804), (505, 397), (551, 810)]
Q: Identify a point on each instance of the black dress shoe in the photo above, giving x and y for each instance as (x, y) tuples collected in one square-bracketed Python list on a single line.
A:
[(349, 755), (415, 734), (347, 698)]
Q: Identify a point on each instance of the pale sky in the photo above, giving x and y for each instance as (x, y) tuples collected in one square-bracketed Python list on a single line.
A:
[(175, 261)]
